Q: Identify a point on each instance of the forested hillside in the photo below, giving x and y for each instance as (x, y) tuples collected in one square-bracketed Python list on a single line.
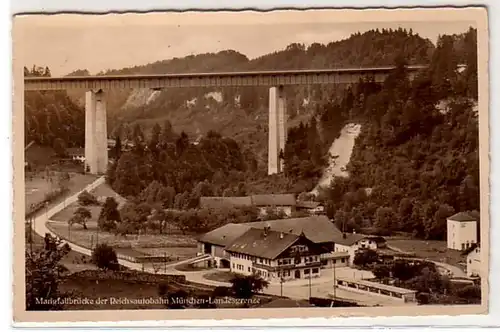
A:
[(52, 118), (416, 161)]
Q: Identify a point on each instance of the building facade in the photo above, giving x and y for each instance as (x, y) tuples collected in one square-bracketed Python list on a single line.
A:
[(462, 231), (351, 243), (275, 256), (474, 262)]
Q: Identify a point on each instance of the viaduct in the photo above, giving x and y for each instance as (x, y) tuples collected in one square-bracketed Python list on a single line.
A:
[(96, 152)]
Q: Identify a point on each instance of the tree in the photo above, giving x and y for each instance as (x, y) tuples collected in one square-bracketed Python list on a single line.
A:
[(109, 216), (244, 287), (85, 198), (118, 147), (43, 275), (80, 216), (365, 257), (59, 147), (104, 257), (381, 271), (63, 181)]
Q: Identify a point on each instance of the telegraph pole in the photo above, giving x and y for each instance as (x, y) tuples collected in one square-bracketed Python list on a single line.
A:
[(281, 284), (309, 287), (334, 281)]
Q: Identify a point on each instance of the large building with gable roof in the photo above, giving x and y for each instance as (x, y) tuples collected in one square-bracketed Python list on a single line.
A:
[(225, 246), (462, 230)]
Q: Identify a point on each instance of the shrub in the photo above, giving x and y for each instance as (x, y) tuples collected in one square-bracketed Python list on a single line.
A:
[(85, 198), (104, 257), (245, 287)]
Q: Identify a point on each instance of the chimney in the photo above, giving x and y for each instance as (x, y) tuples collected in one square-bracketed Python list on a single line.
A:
[(344, 235), (353, 231), (281, 235), (266, 230)]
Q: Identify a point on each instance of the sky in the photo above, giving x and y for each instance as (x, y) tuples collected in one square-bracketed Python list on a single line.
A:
[(101, 44)]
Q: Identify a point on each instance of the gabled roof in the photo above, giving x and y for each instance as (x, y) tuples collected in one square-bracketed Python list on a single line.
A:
[(350, 239), (308, 204), (464, 216), (318, 229), (218, 202), (224, 235), (274, 200), (258, 243)]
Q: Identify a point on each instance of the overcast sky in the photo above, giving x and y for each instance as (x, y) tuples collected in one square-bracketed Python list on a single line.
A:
[(96, 46)]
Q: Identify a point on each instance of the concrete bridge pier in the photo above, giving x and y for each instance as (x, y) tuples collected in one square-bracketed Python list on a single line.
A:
[(277, 129), (96, 138)]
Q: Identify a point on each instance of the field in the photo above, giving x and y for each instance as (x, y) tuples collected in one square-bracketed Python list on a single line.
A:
[(65, 214), (38, 185), (432, 250)]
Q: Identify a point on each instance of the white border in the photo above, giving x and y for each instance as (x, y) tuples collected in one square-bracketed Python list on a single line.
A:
[(145, 5)]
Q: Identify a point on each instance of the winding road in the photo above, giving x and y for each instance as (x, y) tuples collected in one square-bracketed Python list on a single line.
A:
[(40, 228)]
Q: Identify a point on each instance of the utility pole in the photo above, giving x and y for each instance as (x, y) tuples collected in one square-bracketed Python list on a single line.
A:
[(334, 280), (309, 286), (281, 283)]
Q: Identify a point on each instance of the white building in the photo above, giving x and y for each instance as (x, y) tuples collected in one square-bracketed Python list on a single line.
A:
[(474, 262), (351, 243), (462, 230), (317, 229), (275, 256)]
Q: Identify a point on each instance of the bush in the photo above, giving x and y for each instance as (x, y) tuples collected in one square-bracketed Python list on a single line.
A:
[(244, 287), (365, 257), (85, 198), (104, 257), (381, 272)]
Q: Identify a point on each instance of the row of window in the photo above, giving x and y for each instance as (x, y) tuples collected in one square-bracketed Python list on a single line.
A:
[(240, 267), (299, 248), (306, 272)]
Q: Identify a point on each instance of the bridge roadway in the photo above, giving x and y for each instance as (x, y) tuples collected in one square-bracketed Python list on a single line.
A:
[(223, 79)]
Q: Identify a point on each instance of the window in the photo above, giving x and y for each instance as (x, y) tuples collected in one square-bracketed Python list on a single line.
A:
[(249, 269), (315, 270), (233, 265), (279, 274), (343, 260), (306, 271)]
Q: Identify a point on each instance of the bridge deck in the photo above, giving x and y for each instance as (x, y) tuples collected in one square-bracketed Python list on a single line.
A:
[(224, 79)]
